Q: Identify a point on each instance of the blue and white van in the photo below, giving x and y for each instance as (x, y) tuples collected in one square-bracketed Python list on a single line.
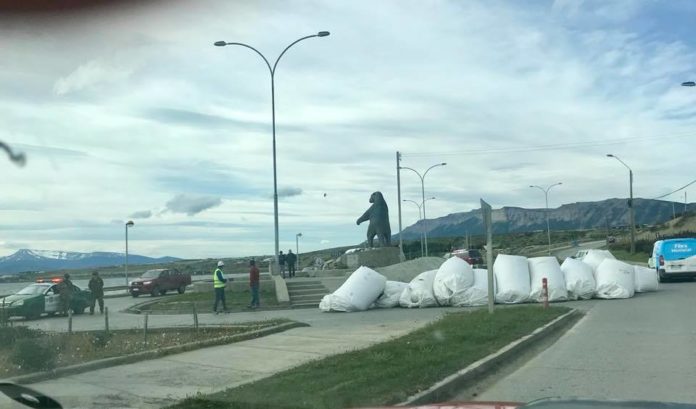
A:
[(675, 258)]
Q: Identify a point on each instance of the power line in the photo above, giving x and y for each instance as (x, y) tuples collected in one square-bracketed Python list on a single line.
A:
[(675, 191), (556, 146)]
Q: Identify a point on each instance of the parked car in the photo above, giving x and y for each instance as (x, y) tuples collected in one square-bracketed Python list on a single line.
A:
[(42, 297), (580, 254), (471, 256), (675, 258), (158, 282)]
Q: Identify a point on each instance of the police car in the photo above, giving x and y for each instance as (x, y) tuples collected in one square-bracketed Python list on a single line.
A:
[(42, 297)]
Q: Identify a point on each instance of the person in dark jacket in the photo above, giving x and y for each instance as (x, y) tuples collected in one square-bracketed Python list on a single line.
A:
[(65, 290), (219, 281), (96, 286), (291, 259), (254, 285), (281, 262)]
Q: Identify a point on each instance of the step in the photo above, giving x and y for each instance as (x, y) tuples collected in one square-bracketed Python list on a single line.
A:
[(307, 290), (307, 298), (305, 305), (290, 283)]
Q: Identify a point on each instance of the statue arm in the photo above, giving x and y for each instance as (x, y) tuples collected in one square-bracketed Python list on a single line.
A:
[(365, 216)]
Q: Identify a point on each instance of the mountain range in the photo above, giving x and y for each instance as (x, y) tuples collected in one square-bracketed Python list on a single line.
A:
[(48, 260), (573, 216)]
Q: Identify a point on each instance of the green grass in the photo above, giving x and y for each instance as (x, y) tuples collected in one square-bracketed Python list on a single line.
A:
[(624, 255), (386, 373), (237, 299)]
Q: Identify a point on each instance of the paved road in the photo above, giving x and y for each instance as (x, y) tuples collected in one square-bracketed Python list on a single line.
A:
[(640, 348)]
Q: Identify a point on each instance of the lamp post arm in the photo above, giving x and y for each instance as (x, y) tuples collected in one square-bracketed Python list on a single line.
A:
[(259, 53), (286, 49)]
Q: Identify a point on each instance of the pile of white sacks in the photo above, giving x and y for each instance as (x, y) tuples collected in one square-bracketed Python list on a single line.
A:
[(517, 280)]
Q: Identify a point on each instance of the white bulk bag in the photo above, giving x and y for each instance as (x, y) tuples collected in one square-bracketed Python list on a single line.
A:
[(512, 279), (453, 277), (419, 292), (579, 278), (646, 279), (478, 293), (615, 279), (595, 257), (547, 267), (390, 296), (359, 291)]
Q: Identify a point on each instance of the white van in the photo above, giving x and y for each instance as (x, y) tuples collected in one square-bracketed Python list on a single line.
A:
[(675, 258)]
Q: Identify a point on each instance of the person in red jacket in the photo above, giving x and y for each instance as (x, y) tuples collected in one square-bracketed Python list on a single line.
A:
[(254, 284)]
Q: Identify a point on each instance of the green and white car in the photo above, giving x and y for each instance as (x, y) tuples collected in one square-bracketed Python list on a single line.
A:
[(42, 297)]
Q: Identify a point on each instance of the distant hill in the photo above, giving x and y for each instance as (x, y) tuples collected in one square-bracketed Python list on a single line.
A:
[(573, 216), (47, 260)]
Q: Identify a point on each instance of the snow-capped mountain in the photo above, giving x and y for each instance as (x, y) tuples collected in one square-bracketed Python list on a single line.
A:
[(47, 260)]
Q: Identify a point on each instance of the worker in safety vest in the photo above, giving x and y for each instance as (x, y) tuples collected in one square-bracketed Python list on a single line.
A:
[(219, 281)]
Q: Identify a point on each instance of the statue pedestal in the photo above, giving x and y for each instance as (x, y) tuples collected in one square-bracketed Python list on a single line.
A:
[(374, 257)]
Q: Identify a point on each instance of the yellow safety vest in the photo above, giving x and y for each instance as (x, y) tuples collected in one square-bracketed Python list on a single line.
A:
[(216, 282)]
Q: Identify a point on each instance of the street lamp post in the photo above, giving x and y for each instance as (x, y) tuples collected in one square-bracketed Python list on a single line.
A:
[(297, 247), (272, 71), (129, 224), (420, 217), (546, 198), (422, 178), (631, 214)]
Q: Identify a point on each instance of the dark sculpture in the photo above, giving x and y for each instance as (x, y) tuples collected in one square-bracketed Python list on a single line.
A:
[(378, 215)]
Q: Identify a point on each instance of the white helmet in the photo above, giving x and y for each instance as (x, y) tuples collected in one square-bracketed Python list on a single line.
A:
[(220, 263)]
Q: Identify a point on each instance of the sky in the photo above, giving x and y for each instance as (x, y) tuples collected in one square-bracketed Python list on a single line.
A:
[(129, 112)]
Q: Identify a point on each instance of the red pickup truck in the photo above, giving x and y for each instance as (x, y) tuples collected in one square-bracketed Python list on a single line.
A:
[(158, 282)]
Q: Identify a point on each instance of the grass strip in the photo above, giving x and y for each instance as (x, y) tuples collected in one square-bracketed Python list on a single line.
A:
[(235, 298), (389, 372)]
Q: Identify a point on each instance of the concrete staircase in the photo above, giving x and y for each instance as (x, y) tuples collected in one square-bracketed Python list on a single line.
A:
[(305, 293)]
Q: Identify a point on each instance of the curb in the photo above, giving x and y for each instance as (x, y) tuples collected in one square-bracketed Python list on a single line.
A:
[(146, 355), (444, 389)]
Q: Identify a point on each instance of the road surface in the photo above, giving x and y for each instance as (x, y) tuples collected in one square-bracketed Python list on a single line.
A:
[(567, 252), (641, 348)]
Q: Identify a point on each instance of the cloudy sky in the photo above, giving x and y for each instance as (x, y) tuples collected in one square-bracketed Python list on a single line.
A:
[(132, 113)]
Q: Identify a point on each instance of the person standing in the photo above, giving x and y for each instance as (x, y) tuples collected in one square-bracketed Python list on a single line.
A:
[(96, 286), (291, 259), (219, 281), (254, 284), (65, 290), (281, 262)]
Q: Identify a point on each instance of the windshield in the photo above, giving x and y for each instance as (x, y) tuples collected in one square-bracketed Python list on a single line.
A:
[(32, 290), (347, 203), (151, 274)]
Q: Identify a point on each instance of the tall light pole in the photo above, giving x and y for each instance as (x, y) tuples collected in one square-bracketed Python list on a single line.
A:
[(422, 178), (129, 224), (272, 71), (631, 214), (420, 217), (546, 198), (297, 247)]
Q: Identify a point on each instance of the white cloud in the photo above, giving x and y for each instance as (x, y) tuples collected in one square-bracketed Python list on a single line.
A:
[(192, 205), (90, 74)]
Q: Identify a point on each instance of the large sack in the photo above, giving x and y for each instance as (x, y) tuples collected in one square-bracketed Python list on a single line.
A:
[(579, 278), (595, 257), (615, 279), (547, 267), (646, 279), (453, 277), (478, 293), (390, 296), (512, 279), (359, 291), (419, 292)]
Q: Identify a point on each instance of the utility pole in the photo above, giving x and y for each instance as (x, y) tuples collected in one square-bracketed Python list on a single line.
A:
[(398, 194)]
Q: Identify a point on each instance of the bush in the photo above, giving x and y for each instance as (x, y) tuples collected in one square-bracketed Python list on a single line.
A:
[(101, 339), (33, 355), (10, 335)]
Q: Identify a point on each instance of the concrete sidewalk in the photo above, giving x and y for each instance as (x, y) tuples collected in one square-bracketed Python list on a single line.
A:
[(159, 382)]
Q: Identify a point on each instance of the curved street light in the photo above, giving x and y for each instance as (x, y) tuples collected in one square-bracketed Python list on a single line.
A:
[(546, 198), (128, 224), (18, 158), (422, 178), (272, 70), (631, 214), (689, 84), (420, 217)]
